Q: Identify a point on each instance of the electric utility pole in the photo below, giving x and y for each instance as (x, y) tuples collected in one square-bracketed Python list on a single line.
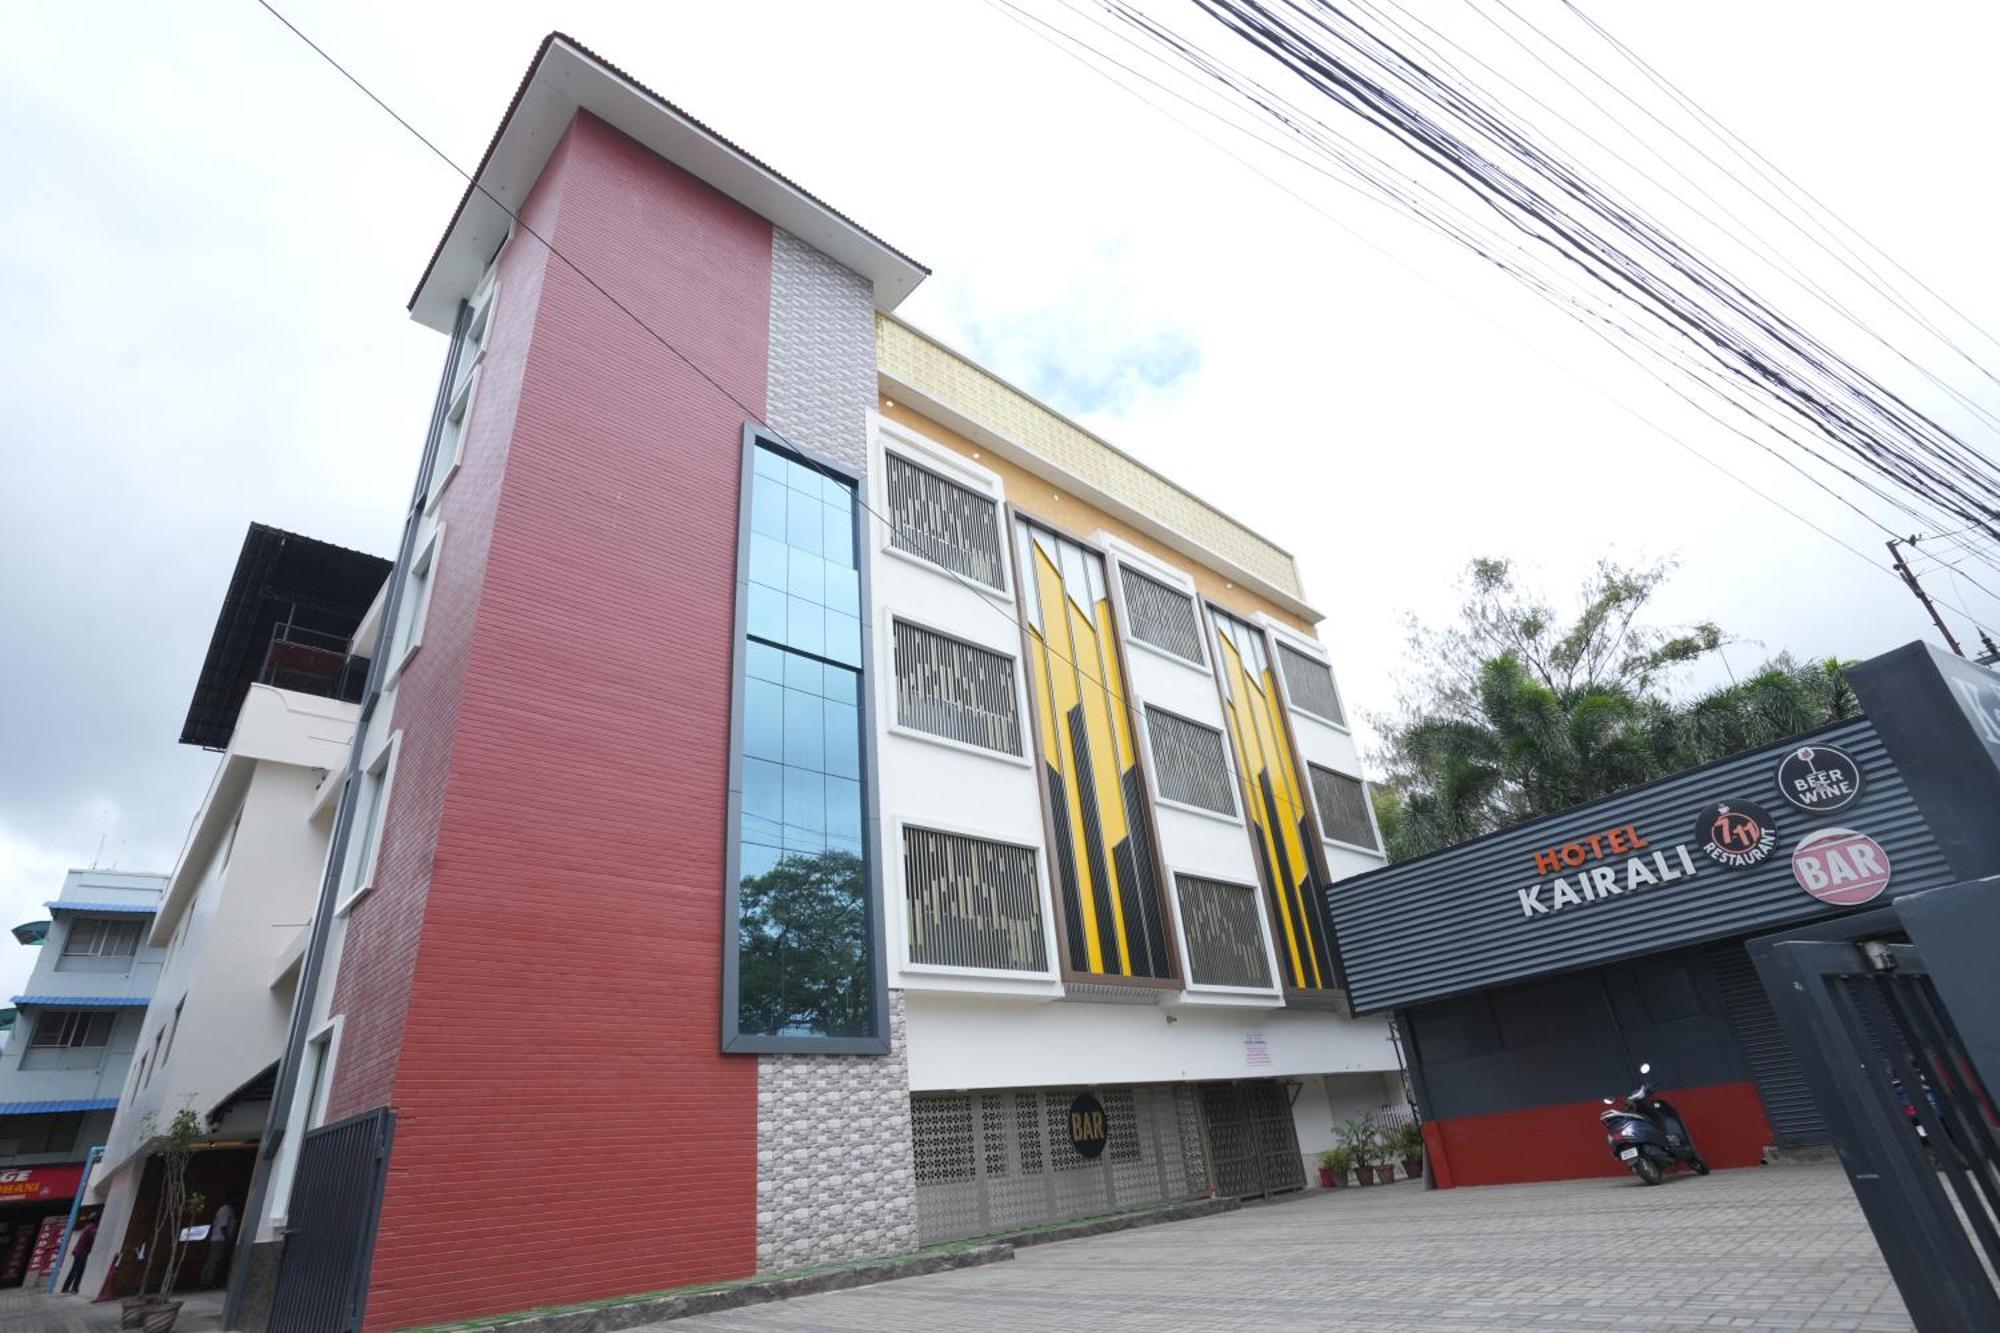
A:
[(1896, 558)]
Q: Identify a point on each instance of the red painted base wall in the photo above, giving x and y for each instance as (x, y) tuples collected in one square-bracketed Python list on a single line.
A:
[(1565, 1142)]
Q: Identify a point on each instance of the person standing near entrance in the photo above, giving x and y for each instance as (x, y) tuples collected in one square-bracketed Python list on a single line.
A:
[(221, 1232), (79, 1250)]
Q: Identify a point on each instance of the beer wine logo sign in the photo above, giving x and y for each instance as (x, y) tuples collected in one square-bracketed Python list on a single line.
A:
[(1736, 833), (1819, 779), (1086, 1126)]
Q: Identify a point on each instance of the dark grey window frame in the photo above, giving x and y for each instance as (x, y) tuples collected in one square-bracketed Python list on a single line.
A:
[(734, 1040)]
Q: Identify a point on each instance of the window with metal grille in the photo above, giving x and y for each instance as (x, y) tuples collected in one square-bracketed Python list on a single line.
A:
[(1310, 683), (101, 937), (1121, 1126), (71, 1028), (1161, 616), (972, 903), (1055, 1107), (945, 523), (955, 690), (1188, 759), (1343, 807), (1225, 942), (993, 1135), (941, 1137), (1027, 1131), (25, 1134)]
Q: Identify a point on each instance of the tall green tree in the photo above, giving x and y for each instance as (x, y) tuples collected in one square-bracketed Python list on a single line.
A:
[(1515, 710)]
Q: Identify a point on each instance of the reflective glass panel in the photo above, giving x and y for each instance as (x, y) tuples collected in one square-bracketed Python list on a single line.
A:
[(804, 964)]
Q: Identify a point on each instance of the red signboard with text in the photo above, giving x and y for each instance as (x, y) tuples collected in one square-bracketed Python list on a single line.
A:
[(40, 1184), (43, 1257)]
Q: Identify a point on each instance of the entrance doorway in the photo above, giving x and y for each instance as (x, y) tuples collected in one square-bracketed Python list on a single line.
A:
[(1252, 1141)]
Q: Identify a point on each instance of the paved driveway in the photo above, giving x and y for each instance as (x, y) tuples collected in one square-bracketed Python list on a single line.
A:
[(1770, 1247)]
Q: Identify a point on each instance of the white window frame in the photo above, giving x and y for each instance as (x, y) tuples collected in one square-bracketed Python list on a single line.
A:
[(1281, 633), (98, 924), (941, 976), (1264, 997), (886, 654), (1367, 803), (174, 1028), (1152, 769), (1123, 553), (894, 438), (416, 610), (110, 1029), (378, 773), (465, 388), (308, 1111)]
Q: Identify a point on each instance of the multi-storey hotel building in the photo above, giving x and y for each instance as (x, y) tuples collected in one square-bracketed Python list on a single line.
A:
[(797, 768)]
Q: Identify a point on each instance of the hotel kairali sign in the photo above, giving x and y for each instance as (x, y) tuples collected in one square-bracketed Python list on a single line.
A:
[(1839, 866)]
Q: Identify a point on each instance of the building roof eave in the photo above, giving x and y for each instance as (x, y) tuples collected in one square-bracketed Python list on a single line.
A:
[(566, 77)]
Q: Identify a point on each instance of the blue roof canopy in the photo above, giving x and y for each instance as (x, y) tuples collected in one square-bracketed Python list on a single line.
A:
[(83, 1001), (70, 905), (56, 1108)]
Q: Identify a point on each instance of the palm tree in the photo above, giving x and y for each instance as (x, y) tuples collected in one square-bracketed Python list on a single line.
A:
[(1520, 716)]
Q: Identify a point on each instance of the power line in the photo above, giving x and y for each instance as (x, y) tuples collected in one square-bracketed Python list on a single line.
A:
[(1739, 147), (1022, 19), (1765, 250), (1013, 621), (1564, 299), (1746, 346)]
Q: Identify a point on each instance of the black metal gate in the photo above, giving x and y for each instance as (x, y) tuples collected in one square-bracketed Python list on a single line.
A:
[(1889, 1050), (1252, 1142), (330, 1225), (1781, 1084)]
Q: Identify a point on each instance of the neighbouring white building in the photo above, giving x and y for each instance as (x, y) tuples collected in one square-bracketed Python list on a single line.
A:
[(232, 922), (76, 1029)]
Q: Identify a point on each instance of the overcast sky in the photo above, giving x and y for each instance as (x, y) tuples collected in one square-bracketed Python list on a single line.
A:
[(210, 239)]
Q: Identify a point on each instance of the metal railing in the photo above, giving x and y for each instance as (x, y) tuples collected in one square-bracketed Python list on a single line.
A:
[(312, 662)]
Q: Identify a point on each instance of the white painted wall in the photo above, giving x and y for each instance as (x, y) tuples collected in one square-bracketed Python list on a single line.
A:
[(960, 1041), (245, 887), (934, 783)]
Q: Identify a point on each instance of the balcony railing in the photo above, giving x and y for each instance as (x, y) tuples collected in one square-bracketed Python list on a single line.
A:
[(310, 662)]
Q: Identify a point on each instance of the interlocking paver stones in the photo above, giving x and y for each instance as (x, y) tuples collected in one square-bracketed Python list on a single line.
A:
[(1773, 1247)]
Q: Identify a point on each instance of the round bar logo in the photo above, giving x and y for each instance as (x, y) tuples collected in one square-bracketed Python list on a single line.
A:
[(1736, 833), (1086, 1126), (1841, 867), (1819, 779)]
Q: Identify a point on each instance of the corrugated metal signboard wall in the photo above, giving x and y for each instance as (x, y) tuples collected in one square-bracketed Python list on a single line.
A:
[(1456, 920)]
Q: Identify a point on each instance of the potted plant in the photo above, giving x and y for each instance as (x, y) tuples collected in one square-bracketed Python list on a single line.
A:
[(156, 1311), (1409, 1145), (1357, 1136), (1333, 1164)]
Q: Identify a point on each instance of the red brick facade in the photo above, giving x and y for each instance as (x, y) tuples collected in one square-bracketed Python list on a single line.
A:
[(534, 984)]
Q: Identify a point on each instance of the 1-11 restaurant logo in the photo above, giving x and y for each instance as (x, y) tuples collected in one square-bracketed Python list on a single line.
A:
[(1736, 833)]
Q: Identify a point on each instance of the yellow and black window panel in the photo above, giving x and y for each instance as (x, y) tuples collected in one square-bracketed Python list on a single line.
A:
[(1276, 801), (1104, 858)]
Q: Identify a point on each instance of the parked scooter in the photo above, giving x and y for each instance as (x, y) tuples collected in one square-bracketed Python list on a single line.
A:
[(1648, 1134)]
